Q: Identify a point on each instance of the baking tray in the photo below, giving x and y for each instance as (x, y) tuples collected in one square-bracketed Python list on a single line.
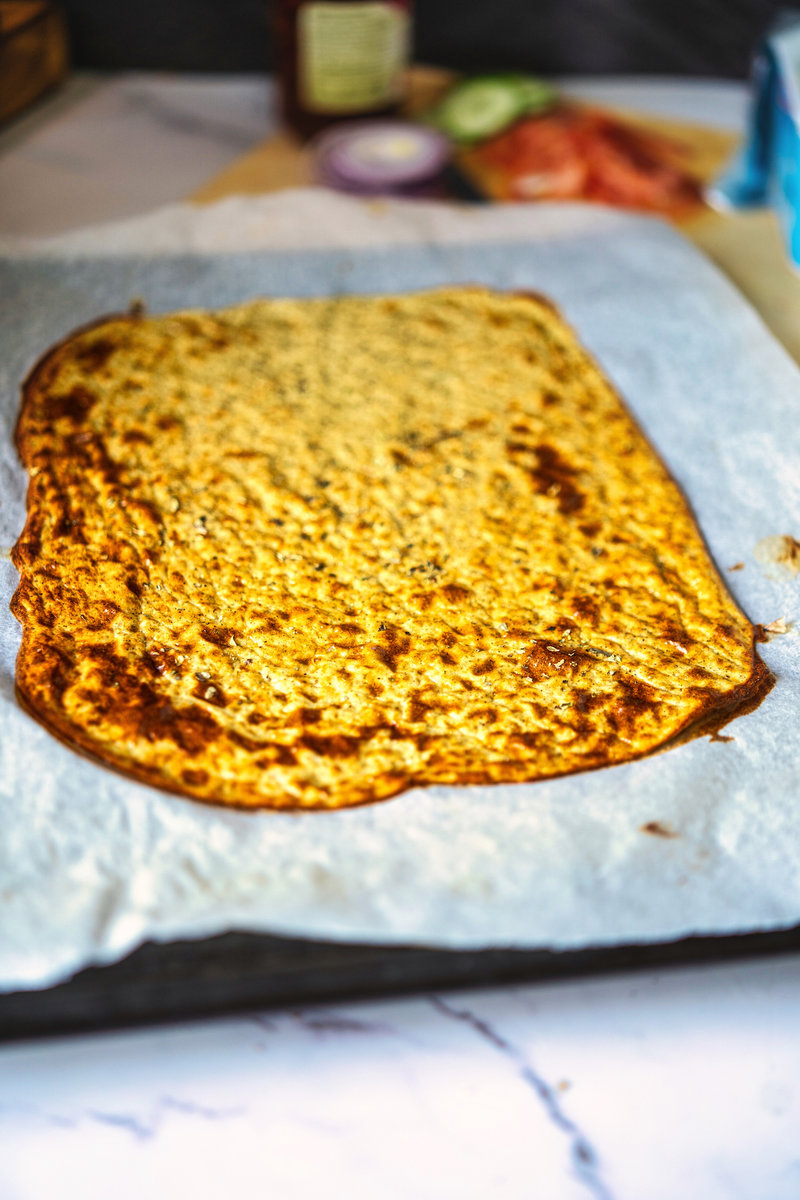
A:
[(236, 972), (167, 978)]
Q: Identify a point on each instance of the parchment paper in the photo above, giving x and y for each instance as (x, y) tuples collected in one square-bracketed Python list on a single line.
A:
[(92, 864)]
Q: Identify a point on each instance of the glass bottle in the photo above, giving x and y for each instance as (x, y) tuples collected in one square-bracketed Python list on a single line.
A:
[(340, 60)]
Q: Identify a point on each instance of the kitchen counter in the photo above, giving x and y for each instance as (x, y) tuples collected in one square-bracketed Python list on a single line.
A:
[(112, 146), (651, 1085)]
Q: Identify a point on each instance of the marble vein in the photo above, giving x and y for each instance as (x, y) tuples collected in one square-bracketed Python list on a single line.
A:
[(584, 1158), (142, 1130), (141, 1127), (321, 1023), (158, 109), (328, 1023)]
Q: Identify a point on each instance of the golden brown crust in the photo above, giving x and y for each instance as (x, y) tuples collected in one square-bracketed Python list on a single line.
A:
[(307, 554)]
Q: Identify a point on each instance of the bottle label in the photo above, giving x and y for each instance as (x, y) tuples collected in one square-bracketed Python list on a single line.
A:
[(351, 55)]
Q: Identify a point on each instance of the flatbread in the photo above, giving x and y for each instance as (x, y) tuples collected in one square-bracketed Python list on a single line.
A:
[(310, 553)]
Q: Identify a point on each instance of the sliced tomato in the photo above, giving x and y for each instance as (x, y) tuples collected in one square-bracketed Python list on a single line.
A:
[(582, 154)]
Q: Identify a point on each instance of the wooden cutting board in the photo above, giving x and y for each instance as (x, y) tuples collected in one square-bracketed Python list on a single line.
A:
[(748, 247)]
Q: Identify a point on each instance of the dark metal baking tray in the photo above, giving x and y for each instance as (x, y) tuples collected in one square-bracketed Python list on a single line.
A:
[(239, 971)]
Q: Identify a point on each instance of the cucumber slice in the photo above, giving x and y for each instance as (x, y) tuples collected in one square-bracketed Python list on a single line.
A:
[(539, 95), (482, 106)]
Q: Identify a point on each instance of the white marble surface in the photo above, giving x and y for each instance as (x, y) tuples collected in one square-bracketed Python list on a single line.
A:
[(661, 1085), (112, 146)]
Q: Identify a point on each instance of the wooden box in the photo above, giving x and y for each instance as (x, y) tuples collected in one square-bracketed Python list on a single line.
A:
[(33, 52)]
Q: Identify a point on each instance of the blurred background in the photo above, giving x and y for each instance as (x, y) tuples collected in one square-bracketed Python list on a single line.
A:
[(173, 100), (677, 37)]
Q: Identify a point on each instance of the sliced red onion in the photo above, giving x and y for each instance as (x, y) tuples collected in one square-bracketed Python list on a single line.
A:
[(379, 157)]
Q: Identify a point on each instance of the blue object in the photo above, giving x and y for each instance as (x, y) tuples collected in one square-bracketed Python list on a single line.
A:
[(766, 171)]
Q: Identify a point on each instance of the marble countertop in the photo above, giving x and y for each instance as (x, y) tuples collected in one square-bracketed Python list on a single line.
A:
[(655, 1085), (113, 146), (669, 1085)]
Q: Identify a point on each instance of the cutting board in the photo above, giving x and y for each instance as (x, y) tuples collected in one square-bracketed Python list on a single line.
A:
[(748, 247)]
